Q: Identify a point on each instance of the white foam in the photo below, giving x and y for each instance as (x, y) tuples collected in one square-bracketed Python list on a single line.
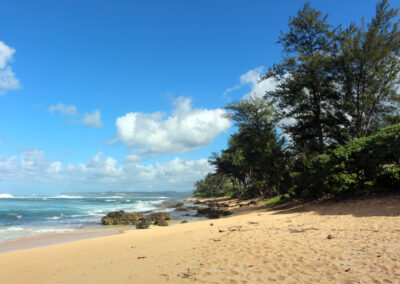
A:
[(66, 196), (11, 229), (6, 195)]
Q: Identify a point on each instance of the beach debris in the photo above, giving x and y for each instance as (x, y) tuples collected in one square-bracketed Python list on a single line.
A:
[(329, 237), (216, 240), (253, 223), (165, 275), (235, 228), (295, 231), (188, 273), (141, 257), (347, 270), (211, 224), (184, 221), (221, 230)]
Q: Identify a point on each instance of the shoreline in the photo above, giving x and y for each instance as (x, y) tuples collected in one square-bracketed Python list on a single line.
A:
[(337, 242), (88, 232), (43, 240)]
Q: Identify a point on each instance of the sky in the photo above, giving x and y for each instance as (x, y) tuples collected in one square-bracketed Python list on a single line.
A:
[(128, 95)]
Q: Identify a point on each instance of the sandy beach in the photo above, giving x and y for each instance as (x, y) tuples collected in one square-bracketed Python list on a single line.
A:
[(329, 242)]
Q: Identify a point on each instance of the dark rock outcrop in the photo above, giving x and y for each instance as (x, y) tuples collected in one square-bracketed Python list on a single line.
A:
[(161, 222), (122, 218), (188, 208), (159, 216), (143, 224), (211, 212), (138, 219), (172, 205)]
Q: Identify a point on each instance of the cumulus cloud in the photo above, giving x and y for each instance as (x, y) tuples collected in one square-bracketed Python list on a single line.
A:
[(64, 109), (184, 130), (93, 119), (252, 79), (8, 80), (128, 174)]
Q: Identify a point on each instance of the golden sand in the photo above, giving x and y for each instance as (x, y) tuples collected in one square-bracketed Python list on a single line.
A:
[(346, 242)]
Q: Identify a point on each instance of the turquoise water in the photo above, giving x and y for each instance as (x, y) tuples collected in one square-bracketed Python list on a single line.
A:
[(28, 216)]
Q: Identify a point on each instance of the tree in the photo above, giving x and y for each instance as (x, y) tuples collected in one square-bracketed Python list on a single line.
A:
[(305, 91), (368, 70), (213, 185), (255, 151)]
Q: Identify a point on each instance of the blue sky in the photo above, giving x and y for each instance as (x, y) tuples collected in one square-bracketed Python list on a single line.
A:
[(127, 95)]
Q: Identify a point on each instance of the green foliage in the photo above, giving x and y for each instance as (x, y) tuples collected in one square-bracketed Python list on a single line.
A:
[(358, 164), (255, 158), (339, 87), (338, 84), (278, 200), (213, 185), (389, 178), (367, 70), (306, 90)]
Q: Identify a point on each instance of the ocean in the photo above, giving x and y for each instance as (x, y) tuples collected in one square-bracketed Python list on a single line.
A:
[(28, 216)]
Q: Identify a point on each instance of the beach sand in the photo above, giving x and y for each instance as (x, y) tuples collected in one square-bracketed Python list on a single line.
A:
[(329, 242)]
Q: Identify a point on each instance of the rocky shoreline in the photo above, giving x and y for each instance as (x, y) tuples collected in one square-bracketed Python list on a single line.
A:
[(207, 209)]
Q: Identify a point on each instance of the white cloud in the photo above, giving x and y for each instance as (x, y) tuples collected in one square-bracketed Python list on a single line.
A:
[(104, 172), (184, 130), (63, 109), (8, 80), (93, 119), (252, 79)]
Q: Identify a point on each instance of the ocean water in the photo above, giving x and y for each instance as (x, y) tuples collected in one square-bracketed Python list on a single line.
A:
[(27, 216)]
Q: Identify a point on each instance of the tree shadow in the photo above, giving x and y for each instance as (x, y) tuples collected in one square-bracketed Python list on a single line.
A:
[(388, 205)]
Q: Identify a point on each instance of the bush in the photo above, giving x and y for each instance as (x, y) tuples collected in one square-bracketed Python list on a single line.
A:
[(389, 178), (358, 164)]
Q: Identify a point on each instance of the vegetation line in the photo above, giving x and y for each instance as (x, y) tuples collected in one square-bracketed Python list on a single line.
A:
[(331, 124)]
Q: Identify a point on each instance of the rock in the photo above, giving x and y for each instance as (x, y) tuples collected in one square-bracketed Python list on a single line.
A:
[(184, 221), (133, 218), (121, 218), (159, 216), (255, 203), (161, 222), (159, 219), (211, 213), (143, 224), (172, 205), (188, 208), (329, 237)]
